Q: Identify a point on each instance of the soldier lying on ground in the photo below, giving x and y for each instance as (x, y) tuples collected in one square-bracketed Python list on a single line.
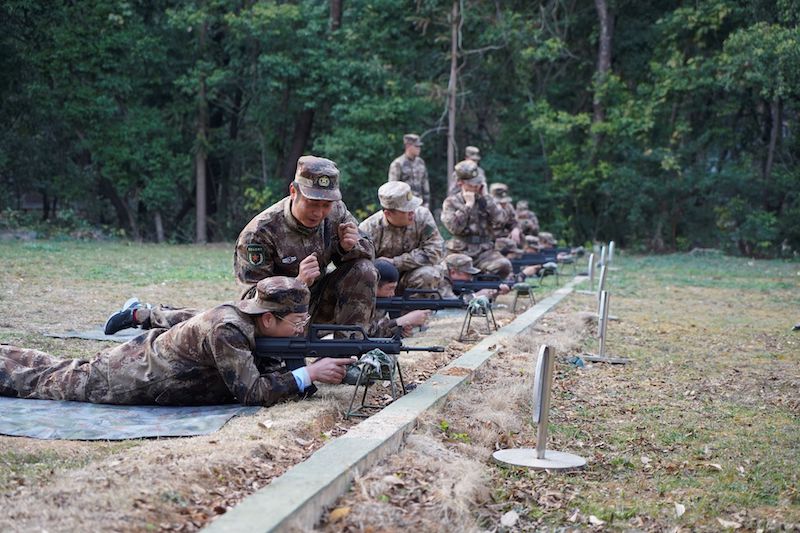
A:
[(405, 234), (383, 325), (204, 360), (458, 267), (300, 236)]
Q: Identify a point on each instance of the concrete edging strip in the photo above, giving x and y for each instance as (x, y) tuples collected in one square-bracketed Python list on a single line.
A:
[(296, 499)]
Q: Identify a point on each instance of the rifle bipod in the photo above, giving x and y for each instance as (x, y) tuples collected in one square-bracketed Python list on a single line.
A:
[(478, 307), (367, 375)]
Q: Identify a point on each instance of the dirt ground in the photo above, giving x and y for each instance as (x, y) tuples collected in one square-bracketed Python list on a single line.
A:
[(170, 484), (701, 432)]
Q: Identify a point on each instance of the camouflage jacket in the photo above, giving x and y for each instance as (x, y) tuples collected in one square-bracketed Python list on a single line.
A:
[(382, 325), (274, 243), (414, 173), (207, 359), (528, 222), (504, 229), (472, 227), (409, 247)]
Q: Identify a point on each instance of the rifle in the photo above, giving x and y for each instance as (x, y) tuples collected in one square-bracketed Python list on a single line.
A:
[(479, 282), (294, 350), (518, 263), (425, 299)]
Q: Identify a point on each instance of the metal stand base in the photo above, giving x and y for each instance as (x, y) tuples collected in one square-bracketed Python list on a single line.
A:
[(527, 457), (605, 359)]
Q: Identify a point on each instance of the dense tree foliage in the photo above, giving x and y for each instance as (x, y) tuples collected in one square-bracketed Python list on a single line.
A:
[(660, 124)]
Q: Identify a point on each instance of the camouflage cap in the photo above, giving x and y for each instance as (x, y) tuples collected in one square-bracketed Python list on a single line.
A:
[(397, 195), (278, 294), (504, 245), (472, 153), (412, 138), (461, 262), (467, 172), (546, 237), (532, 240), (522, 205), (500, 192), (318, 178)]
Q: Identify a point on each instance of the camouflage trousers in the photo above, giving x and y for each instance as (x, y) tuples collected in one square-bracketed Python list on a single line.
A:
[(112, 376), (426, 277), (493, 262), (27, 373), (164, 316), (487, 259)]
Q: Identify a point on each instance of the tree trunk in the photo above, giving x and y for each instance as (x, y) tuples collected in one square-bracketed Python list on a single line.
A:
[(774, 137), (336, 14), (159, 227), (200, 162), (125, 218), (302, 132), (603, 64), (451, 96)]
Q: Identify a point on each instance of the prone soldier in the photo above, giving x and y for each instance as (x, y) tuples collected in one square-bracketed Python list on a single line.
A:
[(383, 325), (459, 267), (410, 168), (405, 234), (471, 216), (204, 360)]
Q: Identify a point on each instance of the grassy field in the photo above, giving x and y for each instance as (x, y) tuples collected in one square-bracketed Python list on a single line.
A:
[(700, 432), (153, 484)]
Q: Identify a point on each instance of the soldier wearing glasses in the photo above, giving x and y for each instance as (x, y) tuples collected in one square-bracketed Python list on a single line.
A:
[(203, 360)]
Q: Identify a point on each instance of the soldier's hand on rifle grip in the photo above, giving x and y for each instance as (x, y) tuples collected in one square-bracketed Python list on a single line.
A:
[(329, 370), (348, 236), (309, 270)]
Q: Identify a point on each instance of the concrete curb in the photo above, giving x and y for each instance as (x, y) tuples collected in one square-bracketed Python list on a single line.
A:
[(295, 500)]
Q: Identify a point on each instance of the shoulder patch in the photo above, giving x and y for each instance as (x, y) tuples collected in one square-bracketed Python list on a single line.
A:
[(255, 254)]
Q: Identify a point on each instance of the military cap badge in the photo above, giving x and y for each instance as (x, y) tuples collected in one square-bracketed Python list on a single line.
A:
[(324, 181)]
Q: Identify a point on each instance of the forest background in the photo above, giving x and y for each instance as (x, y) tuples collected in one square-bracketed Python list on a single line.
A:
[(660, 124)]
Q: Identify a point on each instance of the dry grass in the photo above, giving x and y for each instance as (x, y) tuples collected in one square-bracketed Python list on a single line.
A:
[(701, 432), (156, 484)]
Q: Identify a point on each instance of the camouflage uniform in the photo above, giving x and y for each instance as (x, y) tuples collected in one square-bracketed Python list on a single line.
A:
[(460, 262), (204, 360), (499, 192), (384, 326), (274, 243), (528, 221), (412, 171), (413, 249), (472, 227)]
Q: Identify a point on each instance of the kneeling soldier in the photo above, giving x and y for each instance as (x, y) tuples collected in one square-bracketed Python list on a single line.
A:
[(204, 360), (405, 234)]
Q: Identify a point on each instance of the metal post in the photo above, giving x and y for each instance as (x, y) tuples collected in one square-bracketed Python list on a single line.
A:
[(540, 458), (602, 285), (603, 322), (541, 398), (603, 256), (590, 273), (610, 252)]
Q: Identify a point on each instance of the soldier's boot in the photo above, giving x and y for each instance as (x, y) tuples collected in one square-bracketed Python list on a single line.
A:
[(125, 318)]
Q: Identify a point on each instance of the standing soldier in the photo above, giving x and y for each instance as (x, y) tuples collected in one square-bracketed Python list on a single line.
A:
[(203, 360), (410, 168), (405, 234), (470, 215), (510, 228), (300, 236)]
